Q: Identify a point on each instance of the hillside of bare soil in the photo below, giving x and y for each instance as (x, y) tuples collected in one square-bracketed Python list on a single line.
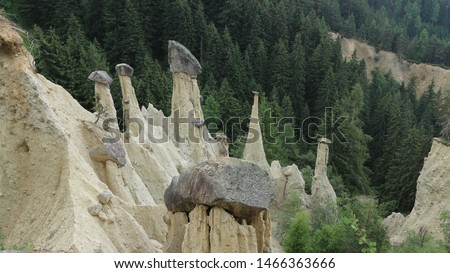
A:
[(401, 69)]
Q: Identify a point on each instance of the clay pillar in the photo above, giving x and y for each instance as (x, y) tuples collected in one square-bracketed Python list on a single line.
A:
[(254, 149)]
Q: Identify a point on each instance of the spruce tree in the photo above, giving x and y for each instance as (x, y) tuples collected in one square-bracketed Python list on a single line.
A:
[(401, 177), (281, 74), (349, 155), (179, 23)]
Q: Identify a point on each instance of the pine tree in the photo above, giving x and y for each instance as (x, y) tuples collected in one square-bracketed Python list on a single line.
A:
[(298, 68), (326, 94), (32, 13), (124, 38), (94, 21), (63, 10), (260, 64), (212, 114), (401, 177), (350, 26), (427, 111), (281, 74), (179, 23), (52, 58), (226, 98), (349, 157), (214, 54), (320, 63), (277, 25), (270, 115), (69, 60), (444, 115), (199, 22), (153, 85)]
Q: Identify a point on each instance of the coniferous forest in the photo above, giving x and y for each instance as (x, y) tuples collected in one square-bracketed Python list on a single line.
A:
[(280, 48)]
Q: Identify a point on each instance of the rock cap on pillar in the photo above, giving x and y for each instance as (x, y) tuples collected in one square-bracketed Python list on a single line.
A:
[(241, 187), (101, 77), (181, 60), (325, 140), (124, 70)]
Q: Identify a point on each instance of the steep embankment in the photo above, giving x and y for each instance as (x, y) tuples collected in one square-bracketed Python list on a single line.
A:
[(432, 198), (402, 70), (62, 188)]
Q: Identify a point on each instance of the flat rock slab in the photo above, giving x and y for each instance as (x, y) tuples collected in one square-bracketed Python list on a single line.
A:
[(181, 60), (241, 187), (109, 151)]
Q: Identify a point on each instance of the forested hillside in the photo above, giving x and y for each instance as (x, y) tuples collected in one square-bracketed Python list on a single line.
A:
[(280, 48)]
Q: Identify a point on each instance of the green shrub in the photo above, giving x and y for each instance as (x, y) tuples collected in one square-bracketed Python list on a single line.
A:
[(299, 237), (335, 238), (420, 242), (291, 206), (324, 214), (355, 227), (370, 221), (1, 241), (337, 182), (308, 174), (445, 217), (27, 247)]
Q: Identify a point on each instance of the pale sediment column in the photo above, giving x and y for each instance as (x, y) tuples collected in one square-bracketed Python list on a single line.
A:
[(322, 193), (254, 148), (187, 113), (103, 99), (132, 115)]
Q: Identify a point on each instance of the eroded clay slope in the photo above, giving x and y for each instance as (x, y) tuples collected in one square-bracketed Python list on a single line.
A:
[(402, 70), (432, 198), (60, 189)]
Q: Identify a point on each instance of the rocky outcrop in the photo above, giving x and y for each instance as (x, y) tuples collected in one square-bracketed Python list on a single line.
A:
[(240, 187), (215, 230), (176, 224), (197, 236), (227, 235), (254, 149), (401, 69), (67, 181), (288, 180), (227, 201), (71, 181), (433, 193), (189, 133), (322, 193)]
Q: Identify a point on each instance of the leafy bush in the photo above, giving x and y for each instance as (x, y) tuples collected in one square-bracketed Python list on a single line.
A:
[(335, 238), (370, 221), (299, 237), (308, 174), (291, 206), (445, 217), (336, 181), (356, 227), (324, 214), (1, 241), (420, 242)]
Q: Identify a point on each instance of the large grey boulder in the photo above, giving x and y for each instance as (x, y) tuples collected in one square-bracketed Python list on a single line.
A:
[(101, 77), (182, 60), (109, 151), (241, 187)]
